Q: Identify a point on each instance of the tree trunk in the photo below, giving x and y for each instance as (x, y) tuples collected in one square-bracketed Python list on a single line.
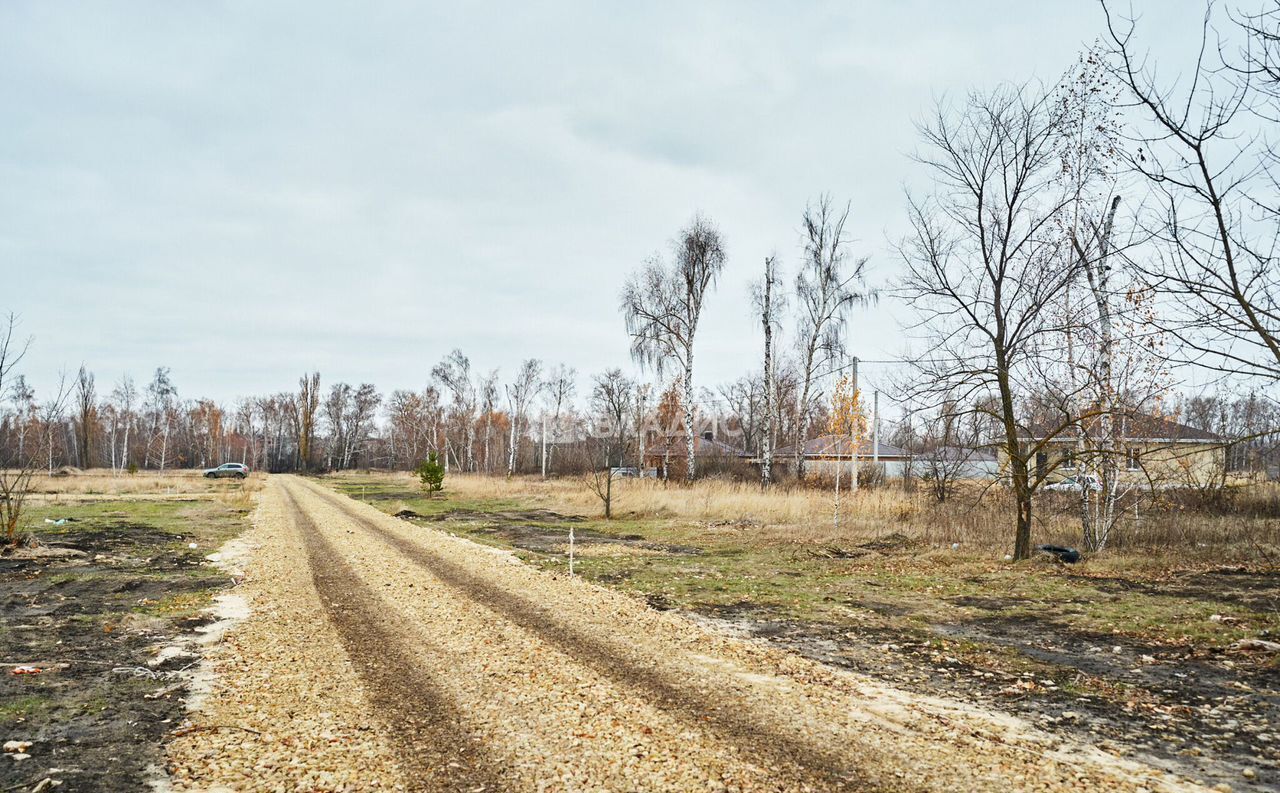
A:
[(511, 453), (1022, 534), (1022, 489), (802, 433), (1099, 284), (766, 442), (689, 429)]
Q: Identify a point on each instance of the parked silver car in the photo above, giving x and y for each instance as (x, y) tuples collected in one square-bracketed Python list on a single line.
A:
[(1075, 484), (236, 470)]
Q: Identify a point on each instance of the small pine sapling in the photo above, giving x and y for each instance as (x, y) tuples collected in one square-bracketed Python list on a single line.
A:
[(431, 473)]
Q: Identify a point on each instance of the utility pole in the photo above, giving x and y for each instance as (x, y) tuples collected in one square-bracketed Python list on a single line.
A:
[(853, 431), (875, 427)]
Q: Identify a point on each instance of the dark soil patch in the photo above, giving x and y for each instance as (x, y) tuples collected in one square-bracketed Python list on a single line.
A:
[(92, 623), (1258, 591)]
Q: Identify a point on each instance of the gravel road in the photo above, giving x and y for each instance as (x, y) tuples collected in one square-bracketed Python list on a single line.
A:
[(384, 655)]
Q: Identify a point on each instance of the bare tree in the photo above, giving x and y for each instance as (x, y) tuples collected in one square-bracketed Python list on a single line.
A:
[(1201, 151), (25, 409), (86, 415), (950, 437), (520, 392), (745, 400), (827, 287), (613, 397), (559, 387), (160, 398), (985, 261), (488, 402), (769, 304), (454, 373), (349, 412), (17, 466), (600, 474), (123, 397), (662, 305), (640, 416), (50, 415), (307, 405)]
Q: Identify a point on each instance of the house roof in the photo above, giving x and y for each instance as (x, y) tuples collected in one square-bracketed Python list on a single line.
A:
[(1137, 426), (839, 445), (957, 454), (701, 447)]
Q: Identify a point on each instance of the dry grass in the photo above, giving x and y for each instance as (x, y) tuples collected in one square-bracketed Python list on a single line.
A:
[(1246, 529), (103, 484)]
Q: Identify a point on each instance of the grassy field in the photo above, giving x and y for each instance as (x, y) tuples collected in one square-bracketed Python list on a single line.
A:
[(718, 545), (1136, 645), (119, 574)]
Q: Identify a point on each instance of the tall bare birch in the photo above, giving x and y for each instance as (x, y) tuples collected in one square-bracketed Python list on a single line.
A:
[(662, 306)]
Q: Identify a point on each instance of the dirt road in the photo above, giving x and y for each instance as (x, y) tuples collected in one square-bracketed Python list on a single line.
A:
[(382, 655)]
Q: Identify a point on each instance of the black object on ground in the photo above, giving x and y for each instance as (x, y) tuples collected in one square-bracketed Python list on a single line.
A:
[(1065, 555)]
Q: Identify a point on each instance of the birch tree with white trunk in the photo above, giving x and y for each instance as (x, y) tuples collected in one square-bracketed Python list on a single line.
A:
[(827, 287), (560, 386), (662, 305), (769, 303), (454, 373), (123, 396), (520, 392)]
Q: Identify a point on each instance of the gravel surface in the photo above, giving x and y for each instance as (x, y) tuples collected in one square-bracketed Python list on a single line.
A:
[(384, 655)]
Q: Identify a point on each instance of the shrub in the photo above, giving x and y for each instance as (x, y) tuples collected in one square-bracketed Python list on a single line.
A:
[(132, 469), (431, 473)]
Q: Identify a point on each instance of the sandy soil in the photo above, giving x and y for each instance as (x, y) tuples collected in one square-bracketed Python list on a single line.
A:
[(381, 654)]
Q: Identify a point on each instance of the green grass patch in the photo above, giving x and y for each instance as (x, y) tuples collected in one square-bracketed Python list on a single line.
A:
[(15, 709)]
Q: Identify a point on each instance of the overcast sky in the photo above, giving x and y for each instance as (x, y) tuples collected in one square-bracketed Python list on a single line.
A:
[(244, 191)]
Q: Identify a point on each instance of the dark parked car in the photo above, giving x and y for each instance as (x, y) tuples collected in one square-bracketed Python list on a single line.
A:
[(238, 470)]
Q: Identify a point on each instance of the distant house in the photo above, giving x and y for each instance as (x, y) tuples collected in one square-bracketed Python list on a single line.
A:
[(825, 454), (673, 452), (958, 463), (1155, 449)]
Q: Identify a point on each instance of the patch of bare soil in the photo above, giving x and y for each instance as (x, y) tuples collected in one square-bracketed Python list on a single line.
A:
[(1205, 716), (100, 704)]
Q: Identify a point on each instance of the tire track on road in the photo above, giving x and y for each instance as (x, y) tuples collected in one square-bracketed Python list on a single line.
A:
[(407, 698), (686, 699)]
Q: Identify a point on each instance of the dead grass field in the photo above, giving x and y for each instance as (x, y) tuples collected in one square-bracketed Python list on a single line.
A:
[(977, 516), (98, 484)]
